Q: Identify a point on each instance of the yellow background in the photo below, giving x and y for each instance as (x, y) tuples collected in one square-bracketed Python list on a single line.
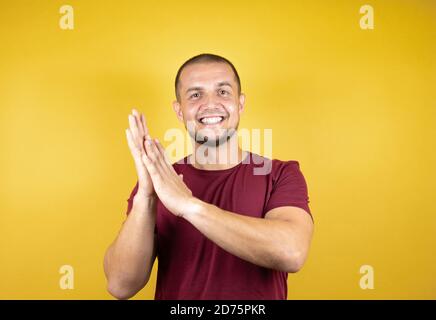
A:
[(355, 107)]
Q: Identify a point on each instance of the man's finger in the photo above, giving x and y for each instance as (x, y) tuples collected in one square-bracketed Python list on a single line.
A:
[(152, 169), (150, 151), (164, 155), (159, 155), (138, 123), (130, 142), (156, 158), (135, 131), (133, 126), (144, 124), (135, 153)]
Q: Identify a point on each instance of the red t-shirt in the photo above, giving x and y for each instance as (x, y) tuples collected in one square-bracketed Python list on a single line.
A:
[(193, 267)]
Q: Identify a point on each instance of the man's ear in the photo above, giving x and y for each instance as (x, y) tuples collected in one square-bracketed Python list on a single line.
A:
[(178, 110), (241, 102)]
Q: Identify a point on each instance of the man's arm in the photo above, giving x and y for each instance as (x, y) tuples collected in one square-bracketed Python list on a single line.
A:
[(129, 259), (280, 241)]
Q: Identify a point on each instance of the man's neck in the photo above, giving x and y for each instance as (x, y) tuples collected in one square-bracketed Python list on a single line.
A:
[(217, 158)]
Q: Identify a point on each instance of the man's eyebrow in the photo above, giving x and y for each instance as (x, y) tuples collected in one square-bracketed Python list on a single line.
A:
[(219, 84), (194, 89), (224, 83)]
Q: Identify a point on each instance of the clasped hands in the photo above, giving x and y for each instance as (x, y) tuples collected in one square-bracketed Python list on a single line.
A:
[(156, 175)]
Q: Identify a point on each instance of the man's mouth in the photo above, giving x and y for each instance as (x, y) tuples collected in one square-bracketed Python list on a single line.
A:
[(211, 120)]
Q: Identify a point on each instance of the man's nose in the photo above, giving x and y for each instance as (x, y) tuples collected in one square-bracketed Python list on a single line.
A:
[(210, 101)]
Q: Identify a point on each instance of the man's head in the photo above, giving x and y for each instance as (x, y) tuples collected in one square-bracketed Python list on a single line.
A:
[(209, 99)]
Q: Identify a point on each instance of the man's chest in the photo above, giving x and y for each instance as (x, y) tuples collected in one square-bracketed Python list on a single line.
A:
[(241, 196)]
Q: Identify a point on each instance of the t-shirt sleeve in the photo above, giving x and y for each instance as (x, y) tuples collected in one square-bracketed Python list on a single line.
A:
[(289, 188), (130, 199), (130, 203)]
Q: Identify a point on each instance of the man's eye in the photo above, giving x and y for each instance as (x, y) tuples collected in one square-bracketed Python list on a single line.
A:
[(195, 95), (223, 92)]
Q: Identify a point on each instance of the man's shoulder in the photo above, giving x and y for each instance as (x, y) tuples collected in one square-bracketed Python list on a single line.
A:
[(276, 163)]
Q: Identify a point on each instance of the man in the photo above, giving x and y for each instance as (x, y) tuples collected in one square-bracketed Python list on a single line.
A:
[(219, 230)]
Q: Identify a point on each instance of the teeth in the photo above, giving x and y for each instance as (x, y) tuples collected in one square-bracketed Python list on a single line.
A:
[(211, 120)]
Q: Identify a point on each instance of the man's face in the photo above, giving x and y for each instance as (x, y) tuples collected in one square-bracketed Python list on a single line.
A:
[(209, 104)]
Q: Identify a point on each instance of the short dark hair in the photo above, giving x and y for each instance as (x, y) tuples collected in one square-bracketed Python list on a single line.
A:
[(204, 58)]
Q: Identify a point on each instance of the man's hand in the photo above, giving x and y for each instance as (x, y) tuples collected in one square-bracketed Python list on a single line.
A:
[(136, 136), (169, 186)]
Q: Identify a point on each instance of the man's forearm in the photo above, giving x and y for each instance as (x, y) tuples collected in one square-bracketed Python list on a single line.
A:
[(129, 260), (268, 243)]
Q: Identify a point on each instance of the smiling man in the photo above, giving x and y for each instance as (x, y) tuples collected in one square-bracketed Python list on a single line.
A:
[(219, 229)]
